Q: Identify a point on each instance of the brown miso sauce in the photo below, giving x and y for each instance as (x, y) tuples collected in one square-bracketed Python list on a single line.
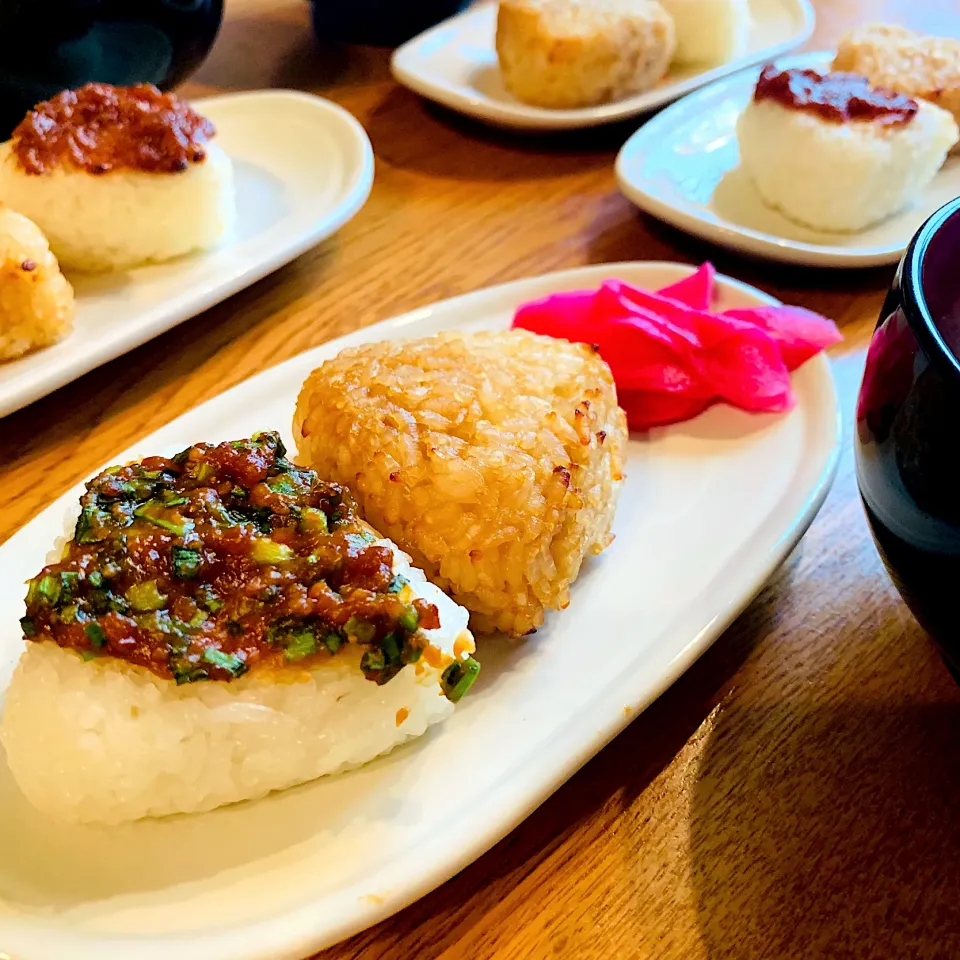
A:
[(835, 97), (100, 128)]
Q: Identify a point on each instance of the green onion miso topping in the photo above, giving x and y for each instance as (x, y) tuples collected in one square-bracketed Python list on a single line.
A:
[(233, 664), (459, 677), (186, 562), (303, 644)]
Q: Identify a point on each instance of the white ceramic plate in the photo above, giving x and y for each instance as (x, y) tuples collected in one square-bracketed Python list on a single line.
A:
[(709, 510), (303, 168), (683, 167), (455, 64)]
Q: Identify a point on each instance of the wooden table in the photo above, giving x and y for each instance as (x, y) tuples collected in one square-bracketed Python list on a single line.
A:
[(794, 794)]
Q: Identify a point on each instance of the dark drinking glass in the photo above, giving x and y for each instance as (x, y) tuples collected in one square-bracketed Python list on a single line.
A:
[(50, 45), (908, 430), (385, 23)]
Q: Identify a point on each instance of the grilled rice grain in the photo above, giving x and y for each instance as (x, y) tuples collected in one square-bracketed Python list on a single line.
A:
[(494, 459)]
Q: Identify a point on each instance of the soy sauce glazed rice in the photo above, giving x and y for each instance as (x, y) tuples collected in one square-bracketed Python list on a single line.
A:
[(222, 624)]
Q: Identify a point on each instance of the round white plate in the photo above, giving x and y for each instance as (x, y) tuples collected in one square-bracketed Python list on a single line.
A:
[(710, 508), (455, 64), (303, 167), (683, 167)]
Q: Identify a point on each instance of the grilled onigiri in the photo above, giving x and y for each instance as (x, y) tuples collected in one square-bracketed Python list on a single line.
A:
[(118, 176), (494, 459)]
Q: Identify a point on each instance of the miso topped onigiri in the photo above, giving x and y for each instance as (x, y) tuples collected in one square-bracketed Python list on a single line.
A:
[(222, 624), (118, 176)]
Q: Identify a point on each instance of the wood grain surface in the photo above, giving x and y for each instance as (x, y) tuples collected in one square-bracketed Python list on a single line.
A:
[(797, 793)]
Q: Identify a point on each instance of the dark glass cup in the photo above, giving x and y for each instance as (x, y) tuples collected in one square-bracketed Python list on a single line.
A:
[(51, 45), (908, 431), (384, 23)]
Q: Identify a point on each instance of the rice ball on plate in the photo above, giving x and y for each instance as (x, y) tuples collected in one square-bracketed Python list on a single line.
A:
[(563, 54), (36, 302), (709, 31), (834, 154), (494, 459), (902, 60), (220, 625), (119, 176)]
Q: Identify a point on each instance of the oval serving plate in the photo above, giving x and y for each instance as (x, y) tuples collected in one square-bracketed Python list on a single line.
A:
[(288, 200), (709, 510), (455, 64), (683, 167)]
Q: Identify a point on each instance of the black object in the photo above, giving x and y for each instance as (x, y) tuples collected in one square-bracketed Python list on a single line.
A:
[(908, 431), (384, 23), (50, 45)]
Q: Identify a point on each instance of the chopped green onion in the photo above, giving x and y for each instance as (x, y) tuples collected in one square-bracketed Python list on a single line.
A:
[(88, 655), (170, 499), (49, 588), (233, 664), (304, 644), (68, 614), (28, 627), (411, 652), (265, 550), (313, 520), (397, 584), (206, 596), (153, 510), (95, 635), (283, 484), (204, 471), (186, 562), (146, 596), (409, 618), (459, 677), (95, 578), (359, 630), (197, 620), (239, 493), (333, 641), (89, 527), (391, 648), (372, 661), (69, 581)]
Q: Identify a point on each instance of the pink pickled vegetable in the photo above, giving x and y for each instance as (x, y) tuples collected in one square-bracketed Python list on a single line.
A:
[(672, 357)]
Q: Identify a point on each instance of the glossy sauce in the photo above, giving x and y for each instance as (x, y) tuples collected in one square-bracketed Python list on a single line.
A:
[(223, 559), (100, 128), (835, 97)]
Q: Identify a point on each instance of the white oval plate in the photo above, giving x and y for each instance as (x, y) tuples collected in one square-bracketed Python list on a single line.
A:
[(303, 168), (455, 64), (710, 508), (683, 167)]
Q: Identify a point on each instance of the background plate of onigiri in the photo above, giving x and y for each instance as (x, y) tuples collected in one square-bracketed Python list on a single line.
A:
[(709, 509), (456, 65), (683, 167), (302, 168)]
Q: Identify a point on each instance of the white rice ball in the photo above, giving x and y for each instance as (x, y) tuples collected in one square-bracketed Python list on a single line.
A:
[(105, 741), (123, 218), (709, 31), (841, 177)]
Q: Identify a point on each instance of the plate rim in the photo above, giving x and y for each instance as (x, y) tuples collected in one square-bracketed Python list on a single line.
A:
[(521, 117), (271, 938), (756, 244), (352, 199)]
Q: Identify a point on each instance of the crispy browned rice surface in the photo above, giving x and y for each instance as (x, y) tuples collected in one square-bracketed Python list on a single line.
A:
[(493, 459)]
